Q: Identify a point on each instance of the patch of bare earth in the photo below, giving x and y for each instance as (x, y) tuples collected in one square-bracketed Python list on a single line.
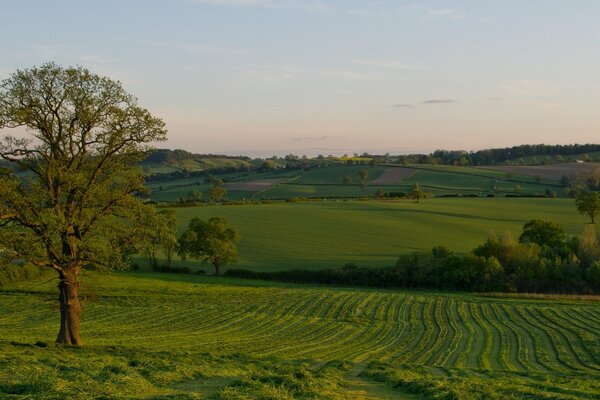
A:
[(393, 175), (254, 186), (550, 171)]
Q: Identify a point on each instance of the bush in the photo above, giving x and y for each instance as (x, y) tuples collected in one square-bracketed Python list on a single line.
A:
[(19, 272)]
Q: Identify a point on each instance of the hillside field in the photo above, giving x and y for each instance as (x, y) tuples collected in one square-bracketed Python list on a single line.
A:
[(437, 180), (329, 234), (160, 336)]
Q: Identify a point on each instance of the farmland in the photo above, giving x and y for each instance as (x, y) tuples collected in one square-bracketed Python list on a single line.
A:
[(315, 235), (162, 336), (437, 180)]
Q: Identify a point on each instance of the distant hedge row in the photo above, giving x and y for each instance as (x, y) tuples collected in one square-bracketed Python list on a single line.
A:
[(15, 273)]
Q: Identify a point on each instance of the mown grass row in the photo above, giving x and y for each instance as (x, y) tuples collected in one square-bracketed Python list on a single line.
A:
[(449, 335)]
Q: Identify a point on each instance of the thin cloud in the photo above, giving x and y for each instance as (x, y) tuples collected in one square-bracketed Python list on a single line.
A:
[(268, 74), (401, 105), (312, 6), (384, 63), (193, 47), (527, 87), (444, 13), (310, 138), (436, 13), (438, 101)]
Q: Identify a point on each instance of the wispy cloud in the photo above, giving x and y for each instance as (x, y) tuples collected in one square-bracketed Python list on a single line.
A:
[(310, 138), (384, 63), (435, 13), (268, 74), (526, 87), (444, 13), (193, 47), (314, 6), (367, 13), (438, 101), (347, 75), (424, 103)]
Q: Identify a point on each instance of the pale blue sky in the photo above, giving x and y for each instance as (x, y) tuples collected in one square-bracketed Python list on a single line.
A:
[(266, 77)]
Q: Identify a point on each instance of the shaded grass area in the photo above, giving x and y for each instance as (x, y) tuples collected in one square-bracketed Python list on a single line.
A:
[(330, 234), (157, 336)]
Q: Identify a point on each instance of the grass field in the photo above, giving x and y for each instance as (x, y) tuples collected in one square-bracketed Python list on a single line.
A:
[(327, 182), (159, 336), (329, 234)]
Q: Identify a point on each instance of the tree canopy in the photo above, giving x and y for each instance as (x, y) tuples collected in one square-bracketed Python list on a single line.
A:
[(68, 198), (588, 203), (211, 241)]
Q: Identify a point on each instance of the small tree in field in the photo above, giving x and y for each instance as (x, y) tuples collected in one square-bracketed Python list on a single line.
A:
[(588, 203), (346, 180), (76, 203), (157, 233), (211, 241), (363, 175), (417, 193), (217, 192)]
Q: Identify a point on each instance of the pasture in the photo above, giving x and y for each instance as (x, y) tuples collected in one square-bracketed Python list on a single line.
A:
[(327, 182), (316, 235), (159, 336)]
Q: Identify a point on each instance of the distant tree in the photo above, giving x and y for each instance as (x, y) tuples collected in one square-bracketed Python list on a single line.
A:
[(588, 249), (346, 180), (417, 193), (211, 241), (157, 233), (543, 233), (588, 203), (518, 188), (565, 181), (76, 205), (195, 196), (373, 162), (380, 193), (217, 192), (363, 175), (267, 166)]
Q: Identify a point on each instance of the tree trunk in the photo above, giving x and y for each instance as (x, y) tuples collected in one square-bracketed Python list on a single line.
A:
[(70, 309), (217, 269)]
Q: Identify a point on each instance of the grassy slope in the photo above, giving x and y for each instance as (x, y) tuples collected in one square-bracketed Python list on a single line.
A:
[(157, 336), (327, 182), (317, 235)]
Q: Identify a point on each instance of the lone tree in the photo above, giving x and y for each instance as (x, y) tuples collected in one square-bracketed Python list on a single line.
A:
[(417, 193), (363, 175), (211, 241), (67, 198), (588, 203), (217, 192)]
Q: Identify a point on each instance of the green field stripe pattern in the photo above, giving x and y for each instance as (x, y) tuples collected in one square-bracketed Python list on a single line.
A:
[(444, 332)]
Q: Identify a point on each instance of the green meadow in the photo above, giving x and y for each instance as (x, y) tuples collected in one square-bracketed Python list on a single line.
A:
[(161, 336), (329, 234), (436, 180)]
